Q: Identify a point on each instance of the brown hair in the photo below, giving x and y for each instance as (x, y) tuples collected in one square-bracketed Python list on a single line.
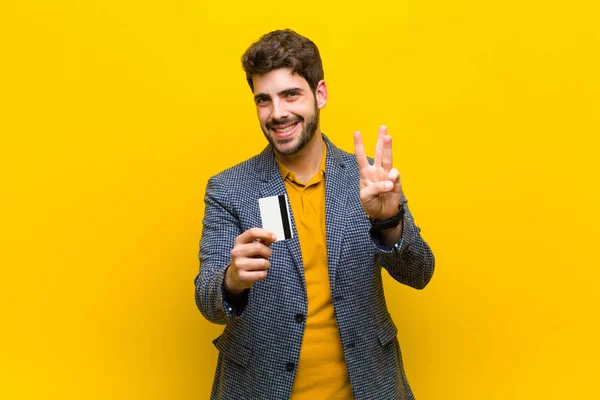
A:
[(284, 49)]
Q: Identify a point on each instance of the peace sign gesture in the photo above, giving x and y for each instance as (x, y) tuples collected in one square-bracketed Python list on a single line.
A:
[(380, 185)]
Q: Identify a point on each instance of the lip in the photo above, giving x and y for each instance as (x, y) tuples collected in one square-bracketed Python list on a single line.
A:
[(286, 135)]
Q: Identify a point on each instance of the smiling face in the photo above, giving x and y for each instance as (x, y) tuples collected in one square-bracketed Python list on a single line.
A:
[(288, 110)]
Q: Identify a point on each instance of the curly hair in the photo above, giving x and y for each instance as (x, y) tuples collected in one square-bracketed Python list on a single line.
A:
[(284, 49)]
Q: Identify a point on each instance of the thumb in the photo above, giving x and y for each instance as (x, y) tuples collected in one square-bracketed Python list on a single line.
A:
[(375, 189)]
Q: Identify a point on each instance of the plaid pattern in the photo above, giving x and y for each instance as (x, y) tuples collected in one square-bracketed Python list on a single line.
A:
[(260, 345)]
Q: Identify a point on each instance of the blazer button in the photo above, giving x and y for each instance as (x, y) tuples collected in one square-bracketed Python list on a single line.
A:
[(290, 366), (299, 318)]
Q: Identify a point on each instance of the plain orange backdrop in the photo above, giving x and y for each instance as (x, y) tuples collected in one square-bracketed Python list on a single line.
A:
[(114, 114)]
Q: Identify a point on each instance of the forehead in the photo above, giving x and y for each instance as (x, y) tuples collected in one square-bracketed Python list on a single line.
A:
[(277, 80)]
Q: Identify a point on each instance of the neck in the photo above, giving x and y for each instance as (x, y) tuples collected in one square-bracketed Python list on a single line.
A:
[(305, 163)]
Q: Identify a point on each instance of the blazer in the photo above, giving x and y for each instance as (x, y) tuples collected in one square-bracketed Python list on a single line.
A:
[(260, 345)]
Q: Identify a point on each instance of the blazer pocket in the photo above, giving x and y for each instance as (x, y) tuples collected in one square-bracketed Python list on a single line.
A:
[(387, 332), (233, 351)]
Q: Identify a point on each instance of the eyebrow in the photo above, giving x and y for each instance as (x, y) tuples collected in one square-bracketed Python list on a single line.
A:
[(282, 93), (286, 91)]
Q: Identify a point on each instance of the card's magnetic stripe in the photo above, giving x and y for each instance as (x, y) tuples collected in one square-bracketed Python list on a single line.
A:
[(285, 219)]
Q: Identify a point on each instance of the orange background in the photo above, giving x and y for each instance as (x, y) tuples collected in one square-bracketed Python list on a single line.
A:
[(114, 114)]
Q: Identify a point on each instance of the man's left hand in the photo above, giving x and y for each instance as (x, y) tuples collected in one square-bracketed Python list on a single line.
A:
[(380, 184)]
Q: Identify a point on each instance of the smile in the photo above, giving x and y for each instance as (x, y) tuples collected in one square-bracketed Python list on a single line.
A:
[(285, 131)]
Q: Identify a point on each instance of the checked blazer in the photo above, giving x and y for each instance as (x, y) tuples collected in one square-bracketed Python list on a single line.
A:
[(260, 345)]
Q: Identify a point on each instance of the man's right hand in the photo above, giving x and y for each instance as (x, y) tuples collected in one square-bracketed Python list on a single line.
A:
[(249, 260)]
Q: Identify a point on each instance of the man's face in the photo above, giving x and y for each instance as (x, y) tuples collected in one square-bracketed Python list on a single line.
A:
[(287, 109)]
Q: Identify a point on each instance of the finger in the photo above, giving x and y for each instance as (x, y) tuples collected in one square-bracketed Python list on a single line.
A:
[(394, 175), (359, 151), (253, 234), (379, 146), (252, 276), (268, 242), (252, 264), (374, 190), (249, 250), (387, 153)]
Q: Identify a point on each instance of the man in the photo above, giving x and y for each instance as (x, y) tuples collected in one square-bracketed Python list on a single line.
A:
[(306, 317)]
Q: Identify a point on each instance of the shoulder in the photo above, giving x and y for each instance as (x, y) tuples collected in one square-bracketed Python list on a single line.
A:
[(248, 170)]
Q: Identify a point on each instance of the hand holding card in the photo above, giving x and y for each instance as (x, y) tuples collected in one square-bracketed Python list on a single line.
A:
[(249, 260)]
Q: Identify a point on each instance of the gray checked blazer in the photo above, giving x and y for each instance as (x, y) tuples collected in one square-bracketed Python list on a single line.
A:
[(260, 345)]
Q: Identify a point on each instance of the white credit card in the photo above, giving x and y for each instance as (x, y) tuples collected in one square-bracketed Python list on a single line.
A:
[(275, 216)]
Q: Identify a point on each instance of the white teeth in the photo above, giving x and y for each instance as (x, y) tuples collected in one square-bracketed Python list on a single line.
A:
[(284, 130)]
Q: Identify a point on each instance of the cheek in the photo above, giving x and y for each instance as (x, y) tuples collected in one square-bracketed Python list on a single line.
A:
[(263, 115), (306, 109)]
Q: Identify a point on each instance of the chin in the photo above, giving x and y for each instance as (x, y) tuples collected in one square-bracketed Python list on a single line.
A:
[(287, 148)]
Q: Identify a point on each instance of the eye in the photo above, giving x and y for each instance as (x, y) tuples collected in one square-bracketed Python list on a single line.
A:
[(261, 101), (292, 94)]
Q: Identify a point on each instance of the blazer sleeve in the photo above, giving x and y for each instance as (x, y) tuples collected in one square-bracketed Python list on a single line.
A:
[(220, 228), (410, 261)]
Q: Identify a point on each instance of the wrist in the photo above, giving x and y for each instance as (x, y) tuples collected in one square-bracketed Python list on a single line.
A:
[(392, 236), (382, 225), (229, 284)]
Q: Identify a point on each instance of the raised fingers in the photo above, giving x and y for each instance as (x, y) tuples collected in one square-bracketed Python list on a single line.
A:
[(387, 153), (359, 151), (379, 146)]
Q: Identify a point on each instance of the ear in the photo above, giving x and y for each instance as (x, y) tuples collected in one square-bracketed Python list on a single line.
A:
[(321, 94)]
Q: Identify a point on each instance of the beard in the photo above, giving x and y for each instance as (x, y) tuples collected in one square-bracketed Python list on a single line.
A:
[(311, 122)]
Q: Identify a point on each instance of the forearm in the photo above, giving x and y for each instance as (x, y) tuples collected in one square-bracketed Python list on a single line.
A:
[(404, 253), (218, 235), (215, 302), (209, 296)]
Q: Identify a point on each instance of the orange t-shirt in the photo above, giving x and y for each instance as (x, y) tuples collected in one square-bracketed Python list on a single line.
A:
[(321, 372)]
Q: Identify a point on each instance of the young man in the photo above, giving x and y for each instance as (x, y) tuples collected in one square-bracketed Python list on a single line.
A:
[(306, 317)]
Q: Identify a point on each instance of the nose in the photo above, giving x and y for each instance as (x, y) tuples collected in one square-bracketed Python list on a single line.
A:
[(279, 111)]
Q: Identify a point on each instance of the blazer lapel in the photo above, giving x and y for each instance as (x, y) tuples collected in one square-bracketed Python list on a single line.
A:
[(272, 185), (336, 195)]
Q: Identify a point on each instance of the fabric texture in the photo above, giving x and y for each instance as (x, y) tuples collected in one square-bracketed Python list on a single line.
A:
[(260, 345)]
